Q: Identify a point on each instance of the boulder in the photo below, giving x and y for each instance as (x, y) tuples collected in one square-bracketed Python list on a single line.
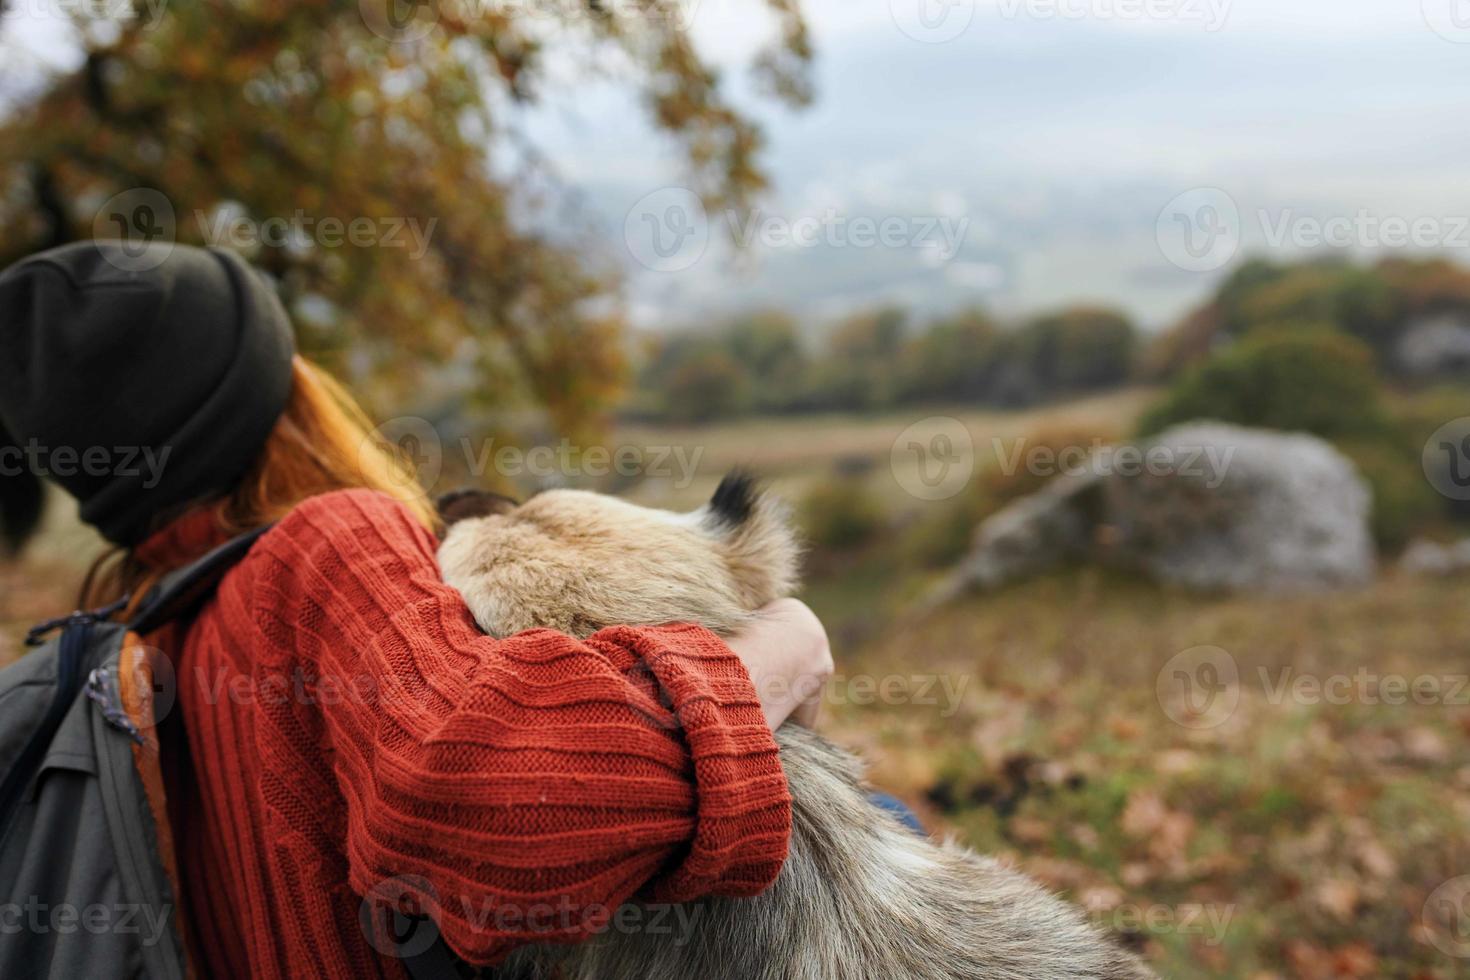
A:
[(1424, 557), (1203, 505), (1434, 347)]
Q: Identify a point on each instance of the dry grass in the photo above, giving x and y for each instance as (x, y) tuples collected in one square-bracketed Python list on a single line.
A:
[(1309, 834)]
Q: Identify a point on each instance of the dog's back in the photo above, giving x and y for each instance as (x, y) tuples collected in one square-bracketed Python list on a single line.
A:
[(859, 895)]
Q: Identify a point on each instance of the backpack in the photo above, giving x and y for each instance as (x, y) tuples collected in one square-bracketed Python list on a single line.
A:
[(87, 880)]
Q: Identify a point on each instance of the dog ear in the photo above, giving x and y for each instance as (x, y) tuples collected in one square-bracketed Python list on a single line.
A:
[(734, 499), (461, 505)]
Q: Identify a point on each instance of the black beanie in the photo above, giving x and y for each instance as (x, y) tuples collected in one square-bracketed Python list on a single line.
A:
[(141, 382)]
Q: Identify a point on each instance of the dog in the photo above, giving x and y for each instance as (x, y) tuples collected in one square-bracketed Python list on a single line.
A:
[(860, 897)]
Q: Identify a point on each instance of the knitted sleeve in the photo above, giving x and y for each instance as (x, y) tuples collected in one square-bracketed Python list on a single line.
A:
[(526, 786)]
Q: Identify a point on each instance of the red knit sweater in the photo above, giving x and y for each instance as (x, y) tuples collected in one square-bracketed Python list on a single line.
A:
[(348, 727)]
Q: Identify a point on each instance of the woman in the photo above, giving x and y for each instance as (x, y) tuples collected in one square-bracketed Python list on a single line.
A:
[(341, 723)]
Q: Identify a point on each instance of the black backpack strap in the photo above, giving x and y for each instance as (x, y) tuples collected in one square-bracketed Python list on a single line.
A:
[(183, 590), (433, 961), (177, 595), (71, 670)]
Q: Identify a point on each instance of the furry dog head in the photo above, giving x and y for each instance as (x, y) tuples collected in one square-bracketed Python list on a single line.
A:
[(577, 561)]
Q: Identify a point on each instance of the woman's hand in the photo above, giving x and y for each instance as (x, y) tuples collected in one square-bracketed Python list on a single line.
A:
[(789, 659)]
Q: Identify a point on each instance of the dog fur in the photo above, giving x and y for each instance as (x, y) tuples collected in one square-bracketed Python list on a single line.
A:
[(860, 897)]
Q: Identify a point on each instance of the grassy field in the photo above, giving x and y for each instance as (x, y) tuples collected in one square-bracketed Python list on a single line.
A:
[(1311, 821)]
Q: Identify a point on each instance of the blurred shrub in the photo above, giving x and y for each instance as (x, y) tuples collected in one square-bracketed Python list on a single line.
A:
[(1374, 305), (874, 360), (1029, 463), (1078, 350), (941, 535), (1404, 504), (840, 515), (955, 360), (858, 369), (1300, 379), (1418, 416)]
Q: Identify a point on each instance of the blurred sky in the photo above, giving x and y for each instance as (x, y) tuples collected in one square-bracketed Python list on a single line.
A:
[(1042, 138), (1061, 139)]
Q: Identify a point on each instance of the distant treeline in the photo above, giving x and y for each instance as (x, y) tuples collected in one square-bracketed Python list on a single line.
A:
[(1413, 316), (762, 364)]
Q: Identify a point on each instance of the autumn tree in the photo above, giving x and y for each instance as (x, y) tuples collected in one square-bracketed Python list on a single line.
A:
[(199, 119)]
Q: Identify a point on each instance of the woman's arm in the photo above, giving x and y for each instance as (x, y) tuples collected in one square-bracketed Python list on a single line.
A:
[(531, 784)]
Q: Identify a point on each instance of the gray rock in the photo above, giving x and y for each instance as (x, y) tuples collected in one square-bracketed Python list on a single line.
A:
[(1423, 557), (1204, 505), (1034, 532), (1434, 347)]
